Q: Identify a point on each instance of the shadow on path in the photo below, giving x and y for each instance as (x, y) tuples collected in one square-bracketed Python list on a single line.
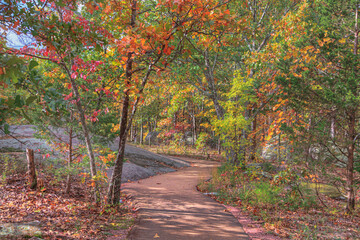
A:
[(170, 207)]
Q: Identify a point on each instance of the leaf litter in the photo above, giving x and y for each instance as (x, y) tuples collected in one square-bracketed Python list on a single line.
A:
[(62, 216)]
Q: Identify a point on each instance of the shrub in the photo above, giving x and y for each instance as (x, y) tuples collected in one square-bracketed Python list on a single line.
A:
[(266, 194)]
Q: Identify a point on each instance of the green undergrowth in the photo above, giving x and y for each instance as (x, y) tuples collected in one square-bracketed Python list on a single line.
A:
[(288, 201), (11, 163), (249, 187)]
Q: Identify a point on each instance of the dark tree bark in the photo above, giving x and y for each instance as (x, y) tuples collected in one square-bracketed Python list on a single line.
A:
[(350, 206), (32, 181), (253, 147), (113, 195)]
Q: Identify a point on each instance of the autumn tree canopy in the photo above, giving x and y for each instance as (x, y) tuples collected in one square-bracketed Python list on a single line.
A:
[(239, 76)]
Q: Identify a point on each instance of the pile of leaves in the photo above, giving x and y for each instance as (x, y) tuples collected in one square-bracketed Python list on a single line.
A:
[(280, 207), (60, 215)]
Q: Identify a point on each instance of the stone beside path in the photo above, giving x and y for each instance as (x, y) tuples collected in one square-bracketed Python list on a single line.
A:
[(20, 229), (141, 163)]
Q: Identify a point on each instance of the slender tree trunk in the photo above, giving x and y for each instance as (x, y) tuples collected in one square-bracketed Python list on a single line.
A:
[(131, 133), (253, 140), (220, 112), (149, 134), (113, 195), (86, 136), (193, 128), (235, 157), (219, 146), (31, 168), (350, 206), (115, 181), (70, 150), (332, 128), (114, 189), (279, 150), (141, 132)]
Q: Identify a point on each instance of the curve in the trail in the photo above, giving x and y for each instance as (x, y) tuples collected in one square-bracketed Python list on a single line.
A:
[(171, 208)]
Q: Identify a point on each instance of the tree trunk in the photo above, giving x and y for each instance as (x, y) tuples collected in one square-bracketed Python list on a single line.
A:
[(350, 206), (193, 129), (113, 195), (220, 112), (279, 150), (86, 136), (141, 132), (126, 122), (68, 179), (31, 168), (332, 128), (253, 140), (219, 146), (132, 133)]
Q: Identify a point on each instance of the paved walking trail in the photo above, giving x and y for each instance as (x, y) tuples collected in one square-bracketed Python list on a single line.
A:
[(171, 208)]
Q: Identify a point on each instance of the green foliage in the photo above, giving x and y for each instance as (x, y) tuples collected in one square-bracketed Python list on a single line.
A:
[(232, 184), (201, 142), (320, 79), (266, 194), (13, 68), (233, 127), (295, 200), (240, 95), (14, 99), (357, 166)]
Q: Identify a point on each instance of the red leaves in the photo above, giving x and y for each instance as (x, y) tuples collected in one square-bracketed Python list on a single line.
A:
[(62, 216), (16, 24), (168, 50), (67, 97), (74, 67), (84, 88), (93, 117)]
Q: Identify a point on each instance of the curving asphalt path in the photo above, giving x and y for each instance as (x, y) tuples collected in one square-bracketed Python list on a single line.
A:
[(171, 208)]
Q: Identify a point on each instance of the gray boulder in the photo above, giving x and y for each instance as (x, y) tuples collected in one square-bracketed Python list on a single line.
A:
[(11, 230), (152, 138)]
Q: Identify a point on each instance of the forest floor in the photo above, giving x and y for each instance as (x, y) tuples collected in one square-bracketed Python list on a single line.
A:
[(48, 213), (317, 214), (167, 205)]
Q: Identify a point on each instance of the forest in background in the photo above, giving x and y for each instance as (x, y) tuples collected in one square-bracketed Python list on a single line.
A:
[(266, 83)]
